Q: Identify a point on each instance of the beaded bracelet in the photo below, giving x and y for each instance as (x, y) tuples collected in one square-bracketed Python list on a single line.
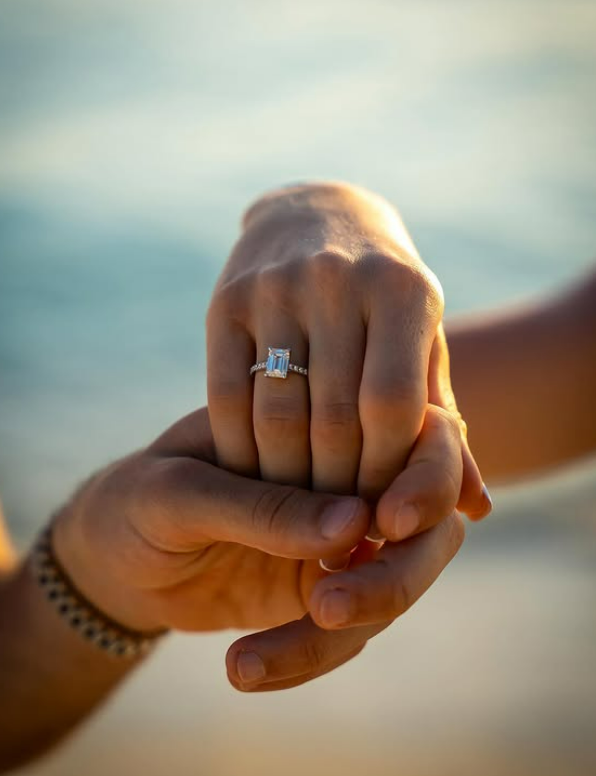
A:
[(81, 614)]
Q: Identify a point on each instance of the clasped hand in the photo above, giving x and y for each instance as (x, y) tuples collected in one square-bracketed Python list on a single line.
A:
[(222, 521)]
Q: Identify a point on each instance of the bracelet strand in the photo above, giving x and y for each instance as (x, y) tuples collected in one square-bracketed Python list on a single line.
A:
[(83, 617)]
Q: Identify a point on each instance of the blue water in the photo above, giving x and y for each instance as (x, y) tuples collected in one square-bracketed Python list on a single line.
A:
[(132, 135)]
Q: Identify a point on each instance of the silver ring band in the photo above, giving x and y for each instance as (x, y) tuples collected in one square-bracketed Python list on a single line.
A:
[(278, 364)]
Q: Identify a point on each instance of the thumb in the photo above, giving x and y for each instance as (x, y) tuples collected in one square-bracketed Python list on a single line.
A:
[(191, 503)]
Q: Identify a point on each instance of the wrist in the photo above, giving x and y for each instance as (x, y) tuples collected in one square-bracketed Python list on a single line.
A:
[(296, 196), (348, 213), (90, 623), (90, 566), (320, 196)]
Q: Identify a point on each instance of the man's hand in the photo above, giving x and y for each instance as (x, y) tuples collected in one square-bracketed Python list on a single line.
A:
[(166, 539)]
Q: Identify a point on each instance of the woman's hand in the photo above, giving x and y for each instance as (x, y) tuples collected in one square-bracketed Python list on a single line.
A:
[(330, 272), (165, 539)]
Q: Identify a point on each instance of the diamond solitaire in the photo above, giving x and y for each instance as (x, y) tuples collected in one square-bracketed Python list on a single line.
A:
[(278, 361), (278, 364)]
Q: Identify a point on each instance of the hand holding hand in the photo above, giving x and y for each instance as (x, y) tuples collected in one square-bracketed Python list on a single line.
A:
[(165, 539)]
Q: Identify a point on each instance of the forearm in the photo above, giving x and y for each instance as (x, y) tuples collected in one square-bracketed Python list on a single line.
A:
[(525, 382), (50, 677)]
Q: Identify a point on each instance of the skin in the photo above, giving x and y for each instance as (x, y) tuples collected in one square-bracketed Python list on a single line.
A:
[(528, 372), (330, 271), (189, 546), (186, 545)]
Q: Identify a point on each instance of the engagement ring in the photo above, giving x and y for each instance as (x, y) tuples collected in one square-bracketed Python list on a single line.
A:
[(278, 364)]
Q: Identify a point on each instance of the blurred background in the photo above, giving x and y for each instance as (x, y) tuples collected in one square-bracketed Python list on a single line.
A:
[(132, 135)]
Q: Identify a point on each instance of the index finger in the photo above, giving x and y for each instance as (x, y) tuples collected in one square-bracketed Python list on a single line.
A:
[(292, 654)]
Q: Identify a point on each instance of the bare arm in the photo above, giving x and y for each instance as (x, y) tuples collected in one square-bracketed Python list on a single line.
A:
[(7, 553), (525, 381), (165, 539), (50, 678)]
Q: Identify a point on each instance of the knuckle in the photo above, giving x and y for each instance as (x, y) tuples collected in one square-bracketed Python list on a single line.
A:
[(403, 597), (314, 654), (275, 509), (400, 596), (160, 477), (448, 489), (335, 423), (166, 476), (441, 495), (325, 267), (279, 417), (410, 279), (227, 396), (398, 403), (274, 284), (230, 299), (456, 532), (440, 418), (155, 499)]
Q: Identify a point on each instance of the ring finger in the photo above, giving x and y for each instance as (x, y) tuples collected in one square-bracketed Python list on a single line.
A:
[(281, 408)]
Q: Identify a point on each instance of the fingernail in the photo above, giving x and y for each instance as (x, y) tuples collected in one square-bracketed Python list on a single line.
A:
[(487, 506), (334, 608), (486, 495), (406, 520), (337, 517), (250, 667), (335, 564), (374, 535)]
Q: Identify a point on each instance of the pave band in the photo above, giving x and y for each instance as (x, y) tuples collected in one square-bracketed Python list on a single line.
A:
[(278, 364), (262, 366)]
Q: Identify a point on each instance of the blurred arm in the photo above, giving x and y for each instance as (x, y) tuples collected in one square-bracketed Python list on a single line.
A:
[(7, 553), (525, 381), (50, 678)]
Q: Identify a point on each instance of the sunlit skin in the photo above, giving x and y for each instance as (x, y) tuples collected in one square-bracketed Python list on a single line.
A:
[(186, 551), (528, 373), (186, 545), (330, 271)]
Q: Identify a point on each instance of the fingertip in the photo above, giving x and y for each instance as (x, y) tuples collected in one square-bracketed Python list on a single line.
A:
[(474, 499), (484, 508), (487, 496), (245, 667), (333, 565)]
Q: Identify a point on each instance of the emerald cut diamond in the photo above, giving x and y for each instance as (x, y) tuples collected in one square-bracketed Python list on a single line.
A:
[(278, 361)]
